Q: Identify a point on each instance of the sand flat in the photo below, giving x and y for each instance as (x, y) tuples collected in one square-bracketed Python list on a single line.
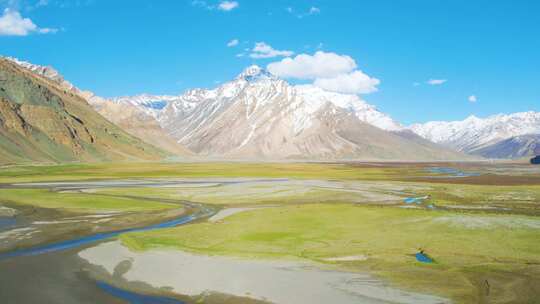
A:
[(273, 281)]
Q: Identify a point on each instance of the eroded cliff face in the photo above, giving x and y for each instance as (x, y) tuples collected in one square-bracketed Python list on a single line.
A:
[(41, 121)]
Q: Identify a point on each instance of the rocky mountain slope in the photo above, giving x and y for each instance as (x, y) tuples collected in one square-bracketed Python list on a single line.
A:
[(521, 146), (136, 116), (42, 120), (139, 122), (498, 136)]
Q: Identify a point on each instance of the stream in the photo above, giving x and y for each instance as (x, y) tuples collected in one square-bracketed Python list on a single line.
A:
[(57, 270)]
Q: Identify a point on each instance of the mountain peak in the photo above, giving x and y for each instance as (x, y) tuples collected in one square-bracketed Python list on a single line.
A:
[(472, 118), (255, 72)]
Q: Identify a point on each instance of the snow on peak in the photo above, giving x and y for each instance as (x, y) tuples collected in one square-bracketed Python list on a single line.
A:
[(351, 103), (252, 70), (259, 90), (473, 132), (255, 72)]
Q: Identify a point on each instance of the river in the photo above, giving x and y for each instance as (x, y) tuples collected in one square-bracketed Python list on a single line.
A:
[(53, 273)]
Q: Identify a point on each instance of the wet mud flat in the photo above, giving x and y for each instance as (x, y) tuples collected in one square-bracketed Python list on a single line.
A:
[(39, 253), (261, 280), (50, 278), (33, 226), (63, 277)]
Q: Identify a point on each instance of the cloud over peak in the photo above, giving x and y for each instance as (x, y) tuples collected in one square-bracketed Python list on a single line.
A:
[(353, 83), (330, 71), (305, 66)]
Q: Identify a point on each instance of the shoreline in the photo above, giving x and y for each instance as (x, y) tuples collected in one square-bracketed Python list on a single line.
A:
[(273, 281)]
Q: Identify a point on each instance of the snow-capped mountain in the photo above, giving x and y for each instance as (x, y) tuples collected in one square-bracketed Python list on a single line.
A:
[(264, 86), (259, 115), (315, 96), (149, 104), (474, 135), (513, 147)]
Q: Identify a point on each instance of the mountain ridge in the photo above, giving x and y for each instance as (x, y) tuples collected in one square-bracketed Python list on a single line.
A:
[(260, 115), (127, 116), (42, 121), (482, 136), (272, 120)]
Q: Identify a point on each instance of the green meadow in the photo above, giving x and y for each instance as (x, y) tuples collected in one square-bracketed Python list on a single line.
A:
[(75, 201), (316, 231), (483, 232), (476, 196), (466, 247), (70, 172)]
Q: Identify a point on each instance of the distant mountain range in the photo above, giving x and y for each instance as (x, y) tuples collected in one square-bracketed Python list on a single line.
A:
[(499, 136), (259, 116), (42, 120)]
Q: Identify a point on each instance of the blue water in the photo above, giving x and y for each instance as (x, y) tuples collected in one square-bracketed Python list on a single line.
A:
[(135, 298), (414, 200), (7, 222), (451, 172), (420, 257), (64, 245)]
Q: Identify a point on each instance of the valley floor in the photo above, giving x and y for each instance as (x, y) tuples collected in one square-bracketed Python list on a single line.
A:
[(355, 230)]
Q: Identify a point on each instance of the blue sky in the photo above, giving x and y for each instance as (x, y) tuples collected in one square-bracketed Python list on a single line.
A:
[(489, 49)]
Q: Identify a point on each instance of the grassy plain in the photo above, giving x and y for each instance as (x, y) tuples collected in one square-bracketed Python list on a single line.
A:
[(323, 231), (70, 172), (468, 248), (79, 201), (513, 198), (483, 233)]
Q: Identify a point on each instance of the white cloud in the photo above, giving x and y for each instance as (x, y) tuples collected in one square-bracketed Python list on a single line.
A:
[(314, 10), (472, 98), (203, 4), (13, 24), (330, 71), (436, 81), (311, 11), (233, 42), (227, 5), (353, 83), (240, 55), (319, 65), (416, 84), (263, 50), (48, 30), (42, 3)]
